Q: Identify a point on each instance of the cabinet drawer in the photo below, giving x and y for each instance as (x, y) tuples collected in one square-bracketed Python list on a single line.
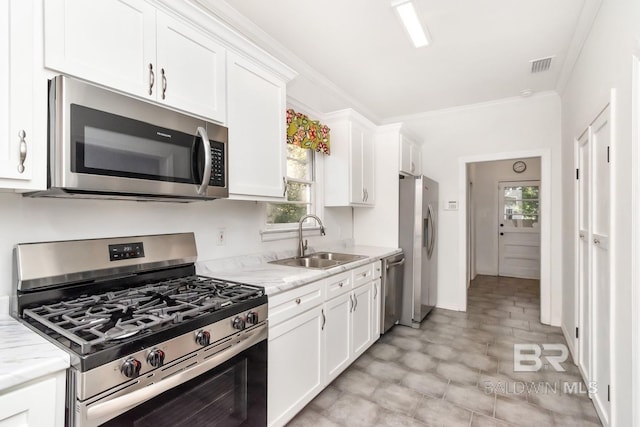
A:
[(362, 275), (338, 284), (291, 303)]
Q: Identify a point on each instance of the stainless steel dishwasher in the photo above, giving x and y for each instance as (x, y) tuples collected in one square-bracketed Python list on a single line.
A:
[(391, 288)]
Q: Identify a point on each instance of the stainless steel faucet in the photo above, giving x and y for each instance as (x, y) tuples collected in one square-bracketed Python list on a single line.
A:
[(303, 246)]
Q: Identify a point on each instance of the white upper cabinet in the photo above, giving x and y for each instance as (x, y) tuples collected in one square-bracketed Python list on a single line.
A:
[(130, 46), (191, 69), (410, 157), (23, 94), (350, 169), (111, 42), (257, 120)]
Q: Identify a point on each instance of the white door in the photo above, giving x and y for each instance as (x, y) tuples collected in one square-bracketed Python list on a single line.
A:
[(355, 160), (368, 167), (256, 113), (584, 258), (191, 71), (337, 314), (519, 229), (111, 42), (376, 307), (21, 124), (361, 318), (295, 376), (601, 137)]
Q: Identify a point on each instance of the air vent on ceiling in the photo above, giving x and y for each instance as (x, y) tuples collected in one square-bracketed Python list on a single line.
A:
[(540, 65)]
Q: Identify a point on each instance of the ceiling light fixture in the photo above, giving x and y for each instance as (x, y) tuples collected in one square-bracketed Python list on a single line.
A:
[(409, 17)]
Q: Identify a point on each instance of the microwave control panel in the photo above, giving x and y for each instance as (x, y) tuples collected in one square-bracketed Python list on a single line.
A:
[(217, 164)]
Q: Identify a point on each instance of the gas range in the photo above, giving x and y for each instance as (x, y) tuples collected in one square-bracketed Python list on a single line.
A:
[(132, 313)]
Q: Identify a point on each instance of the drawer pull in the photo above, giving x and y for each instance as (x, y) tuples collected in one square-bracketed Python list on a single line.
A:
[(298, 301), (340, 284), (365, 274)]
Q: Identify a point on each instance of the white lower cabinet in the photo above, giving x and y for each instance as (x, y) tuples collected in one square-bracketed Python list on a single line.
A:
[(337, 333), (295, 365), (361, 320), (40, 403), (315, 332)]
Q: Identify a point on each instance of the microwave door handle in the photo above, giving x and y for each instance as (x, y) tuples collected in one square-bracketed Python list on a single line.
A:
[(206, 174)]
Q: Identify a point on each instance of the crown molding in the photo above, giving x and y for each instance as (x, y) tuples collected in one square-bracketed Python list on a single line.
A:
[(240, 23), (583, 29), (198, 13)]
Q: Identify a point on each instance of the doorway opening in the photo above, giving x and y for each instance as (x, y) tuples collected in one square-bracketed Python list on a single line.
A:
[(505, 215)]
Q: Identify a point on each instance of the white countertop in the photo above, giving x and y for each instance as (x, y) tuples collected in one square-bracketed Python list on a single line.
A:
[(25, 355), (279, 278)]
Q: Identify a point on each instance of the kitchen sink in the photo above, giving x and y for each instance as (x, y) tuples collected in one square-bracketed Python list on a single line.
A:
[(335, 256), (319, 260)]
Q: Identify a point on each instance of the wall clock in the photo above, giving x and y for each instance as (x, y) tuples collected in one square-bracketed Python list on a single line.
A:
[(519, 166)]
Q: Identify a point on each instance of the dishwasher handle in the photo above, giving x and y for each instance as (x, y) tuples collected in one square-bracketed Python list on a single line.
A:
[(396, 264)]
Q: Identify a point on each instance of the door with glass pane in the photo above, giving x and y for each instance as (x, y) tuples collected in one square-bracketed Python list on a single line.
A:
[(519, 229)]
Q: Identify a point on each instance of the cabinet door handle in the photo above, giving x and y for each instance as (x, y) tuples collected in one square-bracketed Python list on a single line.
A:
[(355, 306), (298, 300), (375, 292), (324, 320), (23, 150), (596, 241), (413, 167), (164, 83), (350, 303), (284, 182), (152, 79)]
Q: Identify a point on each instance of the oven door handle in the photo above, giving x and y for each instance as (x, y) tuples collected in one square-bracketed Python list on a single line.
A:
[(104, 411), (206, 174)]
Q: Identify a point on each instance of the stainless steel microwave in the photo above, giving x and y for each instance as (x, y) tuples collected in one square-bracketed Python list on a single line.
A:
[(103, 144)]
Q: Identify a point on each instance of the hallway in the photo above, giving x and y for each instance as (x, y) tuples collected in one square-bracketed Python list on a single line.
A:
[(458, 370)]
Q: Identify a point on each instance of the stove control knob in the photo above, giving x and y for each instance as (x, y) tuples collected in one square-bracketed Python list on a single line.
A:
[(131, 368), (203, 338), (238, 323), (156, 358), (252, 318)]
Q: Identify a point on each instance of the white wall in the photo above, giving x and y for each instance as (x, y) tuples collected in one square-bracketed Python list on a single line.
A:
[(485, 179), (504, 126), (36, 220), (605, 62)]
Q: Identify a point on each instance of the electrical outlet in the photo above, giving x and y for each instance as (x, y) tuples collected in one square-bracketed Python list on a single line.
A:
[(221, 239)]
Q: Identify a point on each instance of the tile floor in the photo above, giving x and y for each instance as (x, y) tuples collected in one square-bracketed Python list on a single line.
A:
[(457, 370)]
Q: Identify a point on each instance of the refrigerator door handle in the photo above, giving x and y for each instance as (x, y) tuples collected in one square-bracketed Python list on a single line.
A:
[(425, 232), (432, 240)]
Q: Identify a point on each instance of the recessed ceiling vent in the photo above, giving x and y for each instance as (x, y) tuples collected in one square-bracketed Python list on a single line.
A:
[(540, 65)]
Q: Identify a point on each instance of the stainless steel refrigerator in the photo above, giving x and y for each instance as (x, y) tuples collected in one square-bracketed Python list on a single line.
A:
[(418, 238)]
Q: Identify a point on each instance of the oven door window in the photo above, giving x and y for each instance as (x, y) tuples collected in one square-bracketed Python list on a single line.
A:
[(112, 145), (232, 394)]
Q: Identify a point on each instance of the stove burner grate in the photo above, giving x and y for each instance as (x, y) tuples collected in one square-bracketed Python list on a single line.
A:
[(93, 320)]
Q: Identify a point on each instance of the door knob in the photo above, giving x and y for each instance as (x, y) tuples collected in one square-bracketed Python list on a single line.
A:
[(501, 225), (502, 234)]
